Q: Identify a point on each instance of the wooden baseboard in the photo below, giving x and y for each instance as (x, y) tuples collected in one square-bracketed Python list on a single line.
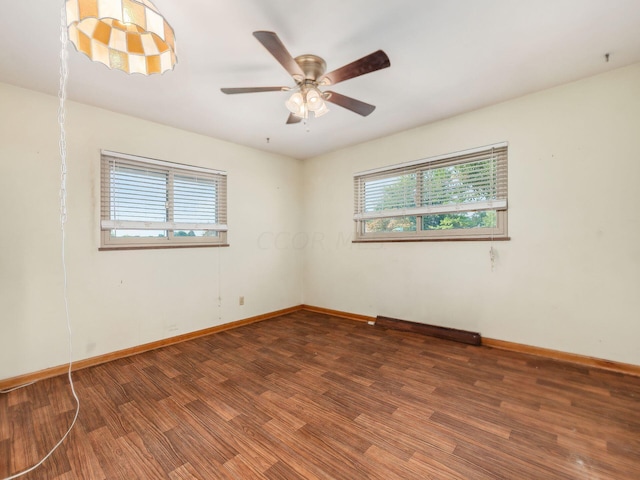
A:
[(489, 342), (445, 333), (619, 367), (583, 360), (127, 352), (338, 313)]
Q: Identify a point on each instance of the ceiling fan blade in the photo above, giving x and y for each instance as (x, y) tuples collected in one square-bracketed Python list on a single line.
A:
[(293, 119), (271, 42), (370, 63), (349, 103), (229, 91)]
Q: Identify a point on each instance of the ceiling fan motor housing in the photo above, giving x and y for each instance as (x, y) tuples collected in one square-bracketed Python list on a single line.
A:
[(312, 66)]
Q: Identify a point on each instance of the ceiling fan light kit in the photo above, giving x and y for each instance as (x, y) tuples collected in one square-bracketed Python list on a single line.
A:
[(308, 74), (128, 35), (307, 99)]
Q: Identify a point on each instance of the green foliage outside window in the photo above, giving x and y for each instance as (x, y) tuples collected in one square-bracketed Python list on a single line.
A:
[(451, 185)]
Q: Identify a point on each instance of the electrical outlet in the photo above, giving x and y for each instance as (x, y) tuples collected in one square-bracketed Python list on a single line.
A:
[(241, 300)]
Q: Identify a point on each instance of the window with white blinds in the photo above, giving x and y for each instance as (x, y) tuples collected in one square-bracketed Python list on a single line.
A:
[(146, 202), (457, 196)]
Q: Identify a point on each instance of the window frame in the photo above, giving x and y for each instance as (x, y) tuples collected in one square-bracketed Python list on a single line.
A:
[(109, 161), (498, 151)]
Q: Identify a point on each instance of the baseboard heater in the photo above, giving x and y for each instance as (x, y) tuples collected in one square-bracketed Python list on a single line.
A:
[(462, 336)]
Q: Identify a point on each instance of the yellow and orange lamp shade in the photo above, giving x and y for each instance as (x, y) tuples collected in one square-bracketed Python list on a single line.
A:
[(128, 35)]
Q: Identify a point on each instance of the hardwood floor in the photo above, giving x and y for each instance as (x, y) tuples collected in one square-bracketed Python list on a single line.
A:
[(309, 396)]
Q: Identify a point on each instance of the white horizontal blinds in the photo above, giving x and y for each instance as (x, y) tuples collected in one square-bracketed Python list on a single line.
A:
[(391, 191), (138, 194), (472, 181), (195, 200), (133, 193)]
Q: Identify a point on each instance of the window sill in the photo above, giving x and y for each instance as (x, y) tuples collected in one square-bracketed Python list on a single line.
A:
[(405, 240), (158, 247)]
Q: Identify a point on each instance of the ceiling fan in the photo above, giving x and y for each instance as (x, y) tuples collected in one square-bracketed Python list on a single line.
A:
[(308, 72)]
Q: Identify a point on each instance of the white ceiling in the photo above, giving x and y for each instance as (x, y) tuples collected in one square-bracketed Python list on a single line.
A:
[(447, 57)]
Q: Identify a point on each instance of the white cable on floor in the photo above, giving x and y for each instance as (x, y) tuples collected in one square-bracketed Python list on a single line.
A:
[(62, 95), (9, 390)]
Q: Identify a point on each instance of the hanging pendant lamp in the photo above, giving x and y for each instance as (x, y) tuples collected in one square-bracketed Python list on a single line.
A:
[(128, 35)]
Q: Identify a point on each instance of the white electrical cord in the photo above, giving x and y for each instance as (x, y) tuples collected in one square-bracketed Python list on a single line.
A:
[(62, 95), (492, 250), (219, 286), (16, 388)]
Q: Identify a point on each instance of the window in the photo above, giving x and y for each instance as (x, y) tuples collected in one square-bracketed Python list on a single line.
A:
[(152, 203), (461, 196)]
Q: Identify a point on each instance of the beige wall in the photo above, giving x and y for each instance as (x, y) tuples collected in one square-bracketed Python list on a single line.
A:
[(569, 279), (127, 298)]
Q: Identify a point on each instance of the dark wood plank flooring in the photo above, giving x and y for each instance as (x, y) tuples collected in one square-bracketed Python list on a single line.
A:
[(309, 396)]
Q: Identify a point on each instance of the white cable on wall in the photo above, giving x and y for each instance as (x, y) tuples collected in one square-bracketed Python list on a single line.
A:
[(62, 95), (492, 250), (219, 283)]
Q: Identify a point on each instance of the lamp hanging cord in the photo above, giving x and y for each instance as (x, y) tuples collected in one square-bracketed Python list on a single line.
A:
[(62, 95)]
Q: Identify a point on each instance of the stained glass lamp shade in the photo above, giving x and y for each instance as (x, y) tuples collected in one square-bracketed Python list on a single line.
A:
[(128, 35)]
